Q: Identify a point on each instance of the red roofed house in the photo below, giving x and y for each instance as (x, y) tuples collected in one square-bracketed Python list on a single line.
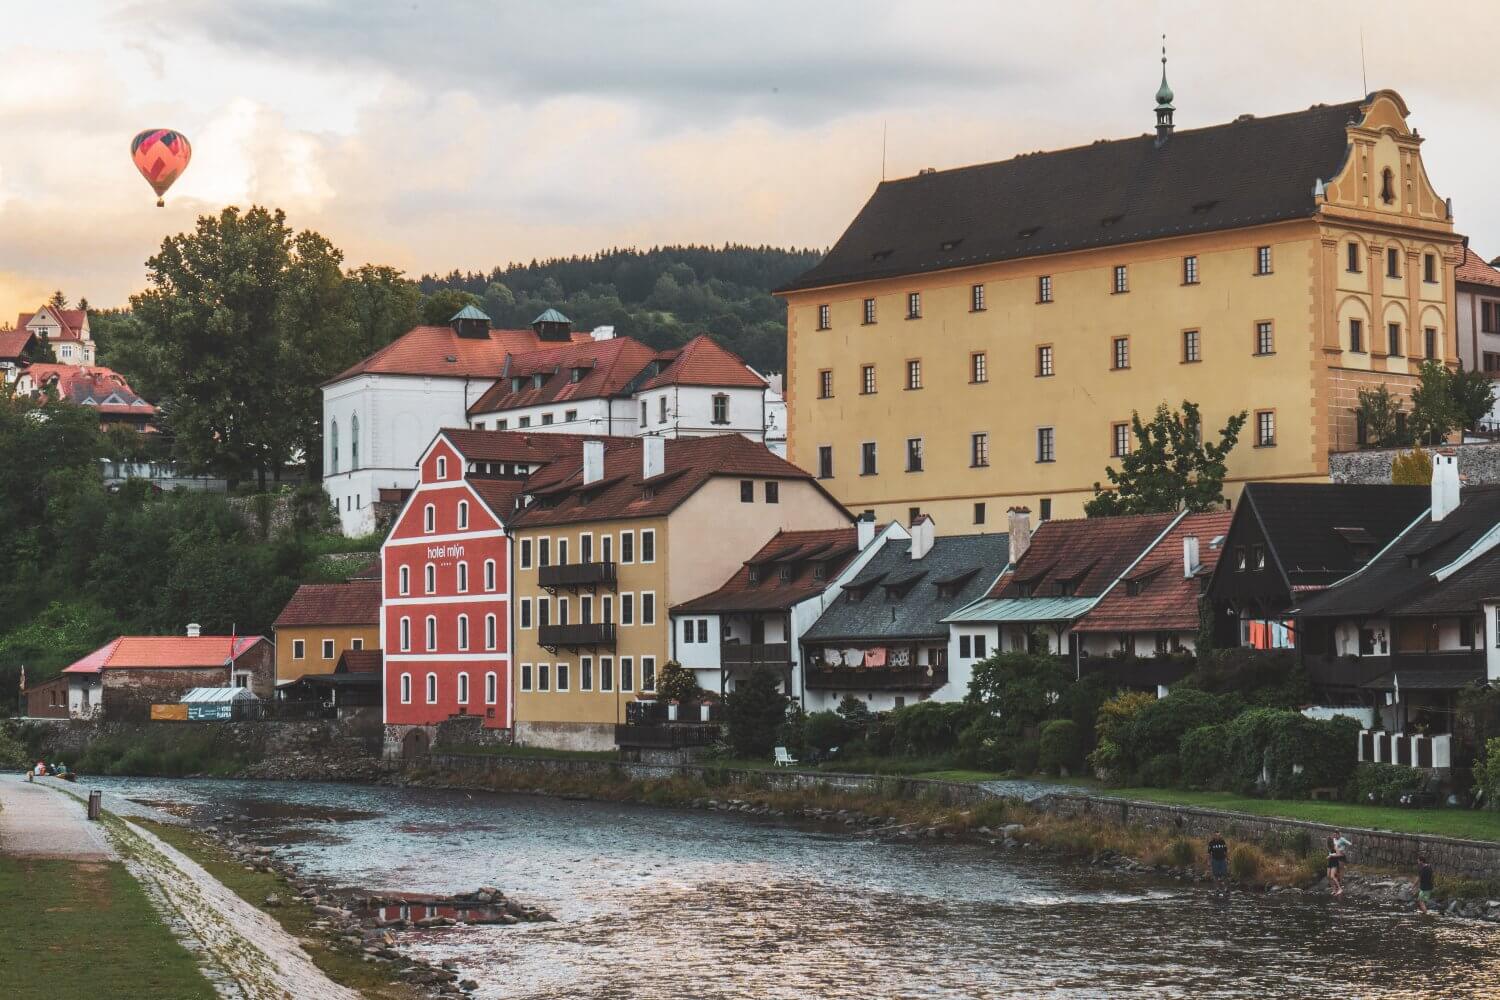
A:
[(67, 330), (321, 622), (445, 612), (1478, 286), (380, 415), (123, 678), (17, 350), (90, 385)]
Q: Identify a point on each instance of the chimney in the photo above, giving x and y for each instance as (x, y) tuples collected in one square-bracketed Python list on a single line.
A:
[(1020, 532), (194, 630), (653, 456), (1445, 485), (593, 461), (921, 536), (603, 333), (866, 528), (1190, 561)]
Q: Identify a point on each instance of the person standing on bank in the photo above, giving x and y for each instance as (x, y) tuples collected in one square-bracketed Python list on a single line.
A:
[(1342, 843), (1218, 862), (1424, 883)]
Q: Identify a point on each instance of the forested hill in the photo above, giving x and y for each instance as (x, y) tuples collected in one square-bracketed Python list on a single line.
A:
[(661, 296)]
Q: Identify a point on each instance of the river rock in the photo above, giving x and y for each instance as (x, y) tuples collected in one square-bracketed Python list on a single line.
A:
[(273, 900)]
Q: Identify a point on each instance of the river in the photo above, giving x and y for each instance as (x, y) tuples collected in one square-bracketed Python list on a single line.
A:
[(664, 903)]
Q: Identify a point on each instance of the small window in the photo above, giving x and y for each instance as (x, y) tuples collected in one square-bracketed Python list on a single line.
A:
[(1429, 268), (747, 491), (1392, 262), (1387, 186), (1119, 440), (773, 491), (914, 374), (979, 450), (562, 677), (913, 305), (824, 318), (328, 649), (1352, 258), (1430, 342), (978, 367), (825, 384), (489, 574), (403, 578), (585, 673), (1190, 270), (1356, 335), (648, 545), (1191, 347), (1265, 341), (979, 513), (1120, 358), (1393, 339), (913, 454), (1265, 428), (1262, 260), (432, 689), (491, 633), (867, 380), (463, 578), (661, 409), (544, 551), (491, 688), (976, 298), (1044, 288), (463, 632), (1122, 279), (543, 677), (431, 633), (1045, 511), (406, 689), (463, 688), (964, 647), (1044, 361), (525, 553), (606, 673), (463, 514), (721, 408), (525, 612), (430, 578), (405, 635), (442, 467), (648, 673), (627, 673), (1046, 444), (299, 649), (869, 312), (627, 547), (525, 677), (643, 413), (825, 461), (867, 465), (429, 519)]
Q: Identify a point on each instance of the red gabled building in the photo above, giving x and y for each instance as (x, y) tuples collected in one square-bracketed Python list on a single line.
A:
[(445, 584)]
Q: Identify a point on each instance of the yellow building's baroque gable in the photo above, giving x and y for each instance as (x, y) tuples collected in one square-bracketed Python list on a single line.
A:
[(962, 374)]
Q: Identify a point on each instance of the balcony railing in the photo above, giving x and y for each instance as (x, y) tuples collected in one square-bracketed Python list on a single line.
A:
[(877, 678), (574, 575), (755, 654), (1353, 671), (647, 713), (576, 636), (669, 736), (1409, 750)]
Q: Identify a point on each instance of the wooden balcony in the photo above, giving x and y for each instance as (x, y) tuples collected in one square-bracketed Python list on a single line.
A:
[(668, 736), (553, 637), (755, 654), (877, 678), (576, 576), (1354, 671)]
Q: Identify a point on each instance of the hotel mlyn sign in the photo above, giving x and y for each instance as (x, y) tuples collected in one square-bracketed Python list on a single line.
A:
[(445, 622)]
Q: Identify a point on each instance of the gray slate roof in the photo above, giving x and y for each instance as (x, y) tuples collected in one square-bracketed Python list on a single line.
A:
[(920, 612)]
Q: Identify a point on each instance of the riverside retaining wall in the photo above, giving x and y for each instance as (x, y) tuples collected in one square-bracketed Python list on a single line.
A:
[(1474, 859)]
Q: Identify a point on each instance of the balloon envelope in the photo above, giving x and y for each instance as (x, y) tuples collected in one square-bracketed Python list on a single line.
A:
[(161, 155)]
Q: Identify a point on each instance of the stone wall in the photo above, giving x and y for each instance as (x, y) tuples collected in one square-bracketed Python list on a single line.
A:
[(1343, 400), (1478, 463), (1450, 856), (265, 738)]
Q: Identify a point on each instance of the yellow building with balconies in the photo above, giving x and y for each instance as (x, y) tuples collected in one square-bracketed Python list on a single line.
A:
[(980, 337)]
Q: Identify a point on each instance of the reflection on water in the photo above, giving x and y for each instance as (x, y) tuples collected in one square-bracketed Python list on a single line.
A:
[(654, 903)]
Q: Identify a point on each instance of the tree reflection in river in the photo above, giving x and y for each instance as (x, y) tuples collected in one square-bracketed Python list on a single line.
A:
[(655, 903)]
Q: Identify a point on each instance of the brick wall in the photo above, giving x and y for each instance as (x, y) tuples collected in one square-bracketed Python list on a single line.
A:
[(129, 693), (1344, 385)]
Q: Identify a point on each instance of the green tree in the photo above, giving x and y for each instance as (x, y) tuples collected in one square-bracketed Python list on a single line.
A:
[(439, 307), (755, 710), (1171, 467), (1473, 395), (1020, 689), (677, 683), (1383, 418), (1434, 410), (241, 321), (58, 300), (385, 304)]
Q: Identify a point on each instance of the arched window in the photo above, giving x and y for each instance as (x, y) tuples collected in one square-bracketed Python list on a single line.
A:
[(354, 443), (491, 688), (431, 633), (463, 631), (333, 438), (1387, 186), (432, 689), (431, 578), (489, 632), (463, 689), (489, 574), (404, 575), (463, 514), (405, 634), (406, 689), (463, 578), (429, 519)]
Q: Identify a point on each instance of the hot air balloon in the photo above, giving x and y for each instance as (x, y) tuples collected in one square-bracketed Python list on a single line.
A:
[(161, 155)]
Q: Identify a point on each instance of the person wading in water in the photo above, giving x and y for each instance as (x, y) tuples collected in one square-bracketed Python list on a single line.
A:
[(1218, 862), (1335, 862)]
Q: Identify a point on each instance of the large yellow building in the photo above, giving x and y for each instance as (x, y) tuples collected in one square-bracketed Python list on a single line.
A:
[(608, 543), (979, 337)]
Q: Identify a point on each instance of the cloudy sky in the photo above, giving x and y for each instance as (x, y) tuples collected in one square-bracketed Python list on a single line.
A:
[(432, 135)]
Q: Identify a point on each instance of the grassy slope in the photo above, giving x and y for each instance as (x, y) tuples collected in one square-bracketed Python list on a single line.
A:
[(371, 980), (87, 930)]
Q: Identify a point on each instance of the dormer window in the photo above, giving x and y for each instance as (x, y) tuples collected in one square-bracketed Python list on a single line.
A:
[(1066, 588), (1023, 589), (536, 380), (785, 573), (1028, 232), (517, 383), (820, 571), (575, 375), (755, 575)]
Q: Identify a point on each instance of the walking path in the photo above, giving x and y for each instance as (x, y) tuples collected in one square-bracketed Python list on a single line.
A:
[(37, 823), (253, 956)]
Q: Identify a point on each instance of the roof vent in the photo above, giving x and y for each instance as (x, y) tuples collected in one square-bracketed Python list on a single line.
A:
[(880, 255), (1028, 232), (471, 324), (951, 244), (452, 359), (1245, 118), (553, 326), (194, 630)]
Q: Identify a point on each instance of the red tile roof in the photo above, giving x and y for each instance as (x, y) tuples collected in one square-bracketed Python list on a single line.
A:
[(1475, 271), (424, 350), (90, 385), (162, 651), (360, 661), (531, 446), (71, 319), (606, 368), (621, 492), (1168, 600), (701, 361), (13, 343), (831, 547), (353, 603), (1088, 553)]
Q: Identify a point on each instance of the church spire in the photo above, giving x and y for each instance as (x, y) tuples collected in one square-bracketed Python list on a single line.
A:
[(1164, 107)]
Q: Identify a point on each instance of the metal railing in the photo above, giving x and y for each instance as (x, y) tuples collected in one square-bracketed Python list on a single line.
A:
[(573, 636), (588, 574)]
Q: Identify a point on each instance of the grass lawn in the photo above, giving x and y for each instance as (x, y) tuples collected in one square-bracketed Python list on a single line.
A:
[(960, 774), (87, 930), (369, 979), (1466, 823), (532, 752)]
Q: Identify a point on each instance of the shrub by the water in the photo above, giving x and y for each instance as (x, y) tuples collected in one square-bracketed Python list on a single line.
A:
[(1384, 784), (1246, 862), (1060, 748)]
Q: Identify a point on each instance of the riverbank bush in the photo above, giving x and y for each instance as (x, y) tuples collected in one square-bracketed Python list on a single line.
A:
[(1060, 749), (1384, 784), (755, 711), (171, 753), (1246, 862)]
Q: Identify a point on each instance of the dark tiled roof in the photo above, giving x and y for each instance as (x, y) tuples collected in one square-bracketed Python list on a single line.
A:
[(1300, 522), (360, 661), (833, 548), (1243, 173), (530, 446), (1167, 600), (499, 495), (622, 493), (919, 612), (1400, 581), (1087, 553), (354, 603)]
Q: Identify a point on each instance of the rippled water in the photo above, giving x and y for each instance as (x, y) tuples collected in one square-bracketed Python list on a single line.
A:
[(657, 903)]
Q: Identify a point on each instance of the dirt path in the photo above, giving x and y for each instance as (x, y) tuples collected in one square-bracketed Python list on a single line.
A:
[(253, 953), (36, 823)]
